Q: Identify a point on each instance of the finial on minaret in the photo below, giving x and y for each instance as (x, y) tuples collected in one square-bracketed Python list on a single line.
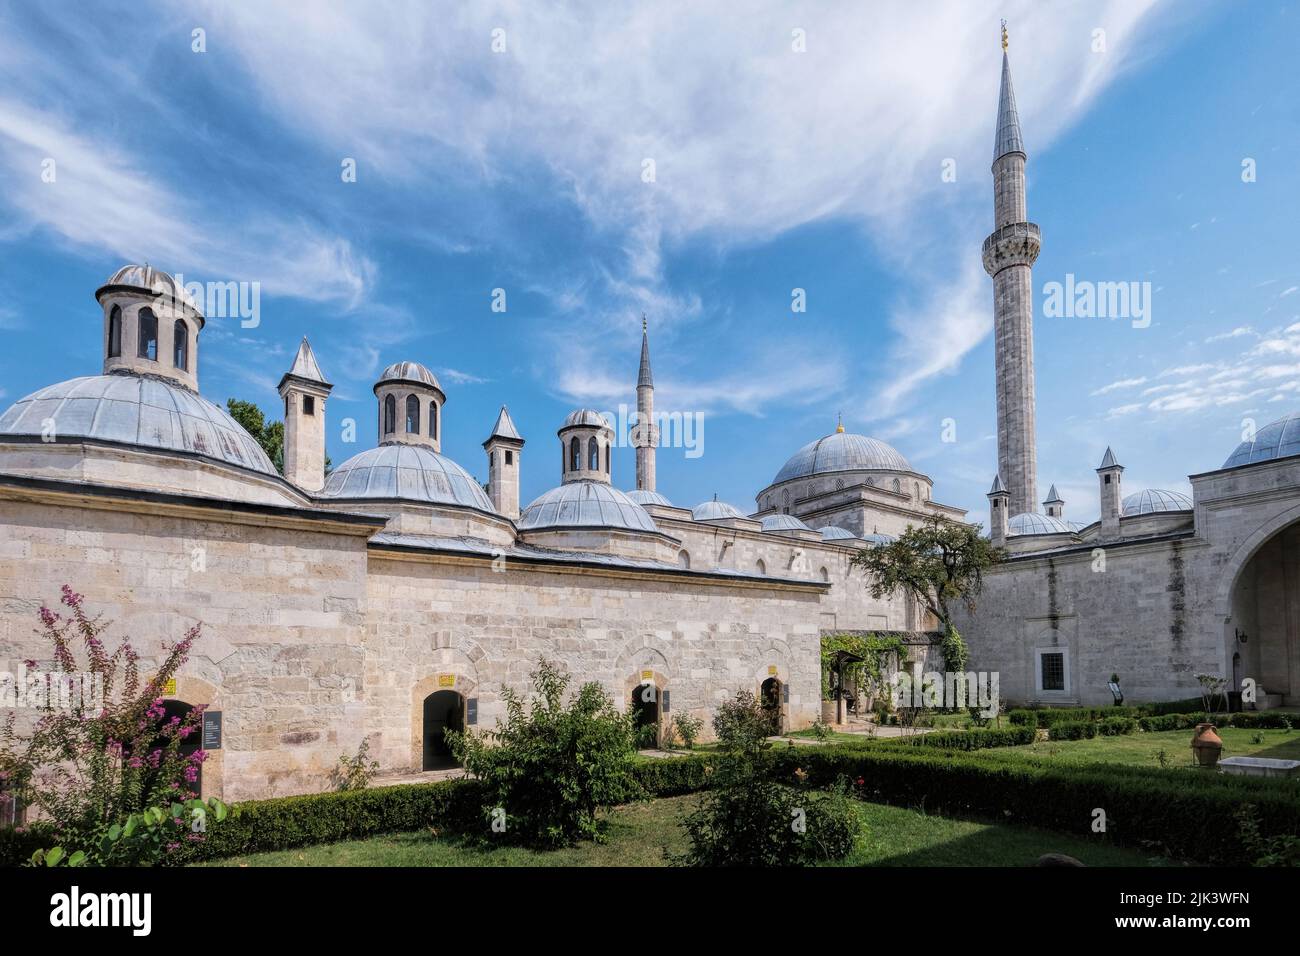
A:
[(643, 323), (839, 424), (1004, 36)]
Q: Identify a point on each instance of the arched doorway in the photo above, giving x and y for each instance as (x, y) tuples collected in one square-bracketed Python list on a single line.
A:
[(645, 709), (444, 710), (1262, 635), (180, 710), (770, 696)]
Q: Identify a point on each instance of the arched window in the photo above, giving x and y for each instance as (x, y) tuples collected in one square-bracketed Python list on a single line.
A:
[(593, 455), (181, 345), (115, 332), (412, 415), (607, 447), (897, 487), (761, 567), (575, 454), (826, 576), (148, 335), (433, 420), (683, 559), (390, 414)]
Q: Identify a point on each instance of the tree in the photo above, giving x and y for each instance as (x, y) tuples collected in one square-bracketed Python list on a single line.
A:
[(270, 435), (938, 562)]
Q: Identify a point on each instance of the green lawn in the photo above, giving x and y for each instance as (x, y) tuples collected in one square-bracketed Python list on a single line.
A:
[(1143, 749), (640, 834)]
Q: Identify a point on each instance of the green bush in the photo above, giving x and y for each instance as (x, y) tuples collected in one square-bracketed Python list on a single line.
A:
[(1181, 814), (964, 739), (1264, 720), (1046, 716), (1189, 705), (550, 767), (1172, 722), (1115, 726), (1072, 730)]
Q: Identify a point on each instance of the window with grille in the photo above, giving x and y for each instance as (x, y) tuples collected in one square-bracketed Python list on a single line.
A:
[(1053, 671)]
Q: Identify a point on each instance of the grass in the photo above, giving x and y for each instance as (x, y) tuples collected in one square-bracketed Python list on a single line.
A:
[(640, 834), (1143, 749)]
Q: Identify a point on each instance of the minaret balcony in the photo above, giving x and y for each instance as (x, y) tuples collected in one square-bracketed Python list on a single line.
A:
[(1015, 244)]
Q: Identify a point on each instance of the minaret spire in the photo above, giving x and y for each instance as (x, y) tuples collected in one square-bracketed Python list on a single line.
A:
[(1009, 254), (645, 436)]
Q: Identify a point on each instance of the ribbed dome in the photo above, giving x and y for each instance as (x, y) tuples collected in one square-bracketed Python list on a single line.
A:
[(1031, 522), (586, 504), (408, 372), (1153, 500), (585, 416), (409, 472), (137, 410), (643, 497), (154, 280), (778, 523), (878, 539), (832, 533), (1279, 439), (842, 451), (715, 510)]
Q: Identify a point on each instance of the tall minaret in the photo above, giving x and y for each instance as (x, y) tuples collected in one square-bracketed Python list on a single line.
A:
[(1009, 254), (645, 436)]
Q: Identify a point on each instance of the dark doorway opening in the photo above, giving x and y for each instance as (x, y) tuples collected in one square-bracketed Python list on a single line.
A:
[(770, 697), (645, 716), (180, 710), (444, 710)]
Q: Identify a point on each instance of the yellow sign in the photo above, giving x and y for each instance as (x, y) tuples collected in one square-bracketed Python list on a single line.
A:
[(771, 669), (647, 675), (169, 688), (446, 680)]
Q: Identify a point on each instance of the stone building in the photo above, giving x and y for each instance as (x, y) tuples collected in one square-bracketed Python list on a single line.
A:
[(395, 596)]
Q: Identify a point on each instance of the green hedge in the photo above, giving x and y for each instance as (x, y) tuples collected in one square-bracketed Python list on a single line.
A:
[(1115, 726), (1046, 716), (1072, 730), (964, 739), (1188, 815)]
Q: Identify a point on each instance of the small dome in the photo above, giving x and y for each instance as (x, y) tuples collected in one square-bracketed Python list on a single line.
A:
[(643, 497), (585, 416), (408, 372), (777, 523), (879, 539), (715, 510), (1030, 522), (832, 533), (1279, 439), (408, 472), (152, 280), (585, 504), (137, 410), (1153, 500), (842, 451)]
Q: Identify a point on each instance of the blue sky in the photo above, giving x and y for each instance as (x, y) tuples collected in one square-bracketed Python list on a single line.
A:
[(774, 170)]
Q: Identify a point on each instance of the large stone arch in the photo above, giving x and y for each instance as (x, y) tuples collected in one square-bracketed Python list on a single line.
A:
[(1244, 552)]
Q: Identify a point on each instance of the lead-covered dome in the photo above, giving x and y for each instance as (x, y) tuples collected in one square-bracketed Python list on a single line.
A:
[(408, 372), (585, 417), (1279, 439), (1030, 522), (643, 497), (1153, 501), (136, 410), (585, 504), (153, 280), (779, 523), (832, 533), (715, 510), (409, 472), (842, 451)]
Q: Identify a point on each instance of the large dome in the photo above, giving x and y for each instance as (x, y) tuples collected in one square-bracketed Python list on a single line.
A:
[(779, 523), (136, 410), (842, 451), (410, 472), (585, 504), (1153, 501), (1279, 439)]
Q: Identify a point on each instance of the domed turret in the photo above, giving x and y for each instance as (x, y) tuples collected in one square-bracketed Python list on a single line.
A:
[(151, 325), (410, 406), (586, 447)]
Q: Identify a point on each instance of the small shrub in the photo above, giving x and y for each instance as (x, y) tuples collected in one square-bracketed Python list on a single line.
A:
[(821, 730), (1116, 726), (1072, 730), (355, 773)]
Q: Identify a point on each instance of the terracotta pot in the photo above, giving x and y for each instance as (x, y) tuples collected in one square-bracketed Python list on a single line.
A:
[(1207, 745)]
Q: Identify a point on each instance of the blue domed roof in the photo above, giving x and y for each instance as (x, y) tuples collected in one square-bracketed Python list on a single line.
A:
[(586, 504), (1279, 439), (408, 372), (643, 497), (878, 539), (1031, 522), (777, 523), (842, 451), (1153, 500), (585, 416), (136, 410), (715, 510), (832, 533), (408, 472)]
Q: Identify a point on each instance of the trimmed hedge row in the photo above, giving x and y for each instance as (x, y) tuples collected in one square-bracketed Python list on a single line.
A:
[(964, 739), (1046, 716), (1187, 815), (1248, 719), (1087, 729)]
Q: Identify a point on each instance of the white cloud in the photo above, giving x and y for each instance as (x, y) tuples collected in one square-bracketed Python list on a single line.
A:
[(1122, 383)]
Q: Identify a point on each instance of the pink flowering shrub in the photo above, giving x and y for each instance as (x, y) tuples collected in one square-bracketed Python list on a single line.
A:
[(88, 766)]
